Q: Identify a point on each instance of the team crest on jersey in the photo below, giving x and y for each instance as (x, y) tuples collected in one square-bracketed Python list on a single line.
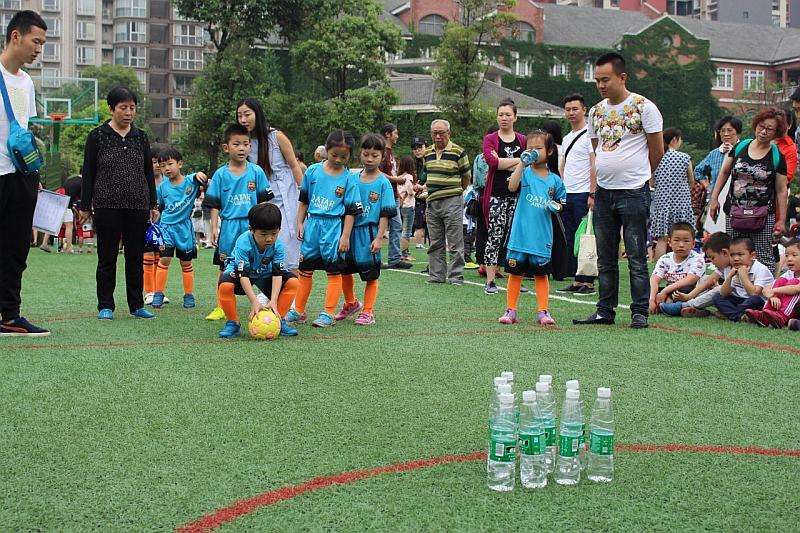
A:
[(339, 191), (512, 263), (373, 197), (189, 190), (251, 185), (265, 261)]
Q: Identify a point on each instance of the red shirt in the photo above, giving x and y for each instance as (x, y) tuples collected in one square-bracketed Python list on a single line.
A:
[(787, 147)]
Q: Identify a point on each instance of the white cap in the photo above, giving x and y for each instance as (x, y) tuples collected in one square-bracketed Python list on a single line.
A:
[(506, 398), (573, 394), (573, 384), (505, 388), (545, 378), (542, 387), (500, 380), (603, 392), (508, 375), (529, 396)]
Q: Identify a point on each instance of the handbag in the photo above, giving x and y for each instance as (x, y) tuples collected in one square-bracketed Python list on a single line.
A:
[(587, 251), (22, 147), (750, 218)]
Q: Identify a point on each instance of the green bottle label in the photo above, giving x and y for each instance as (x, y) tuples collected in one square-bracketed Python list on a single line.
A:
[(550, 436), (530, 444), (503, 451), (568, 446), (601, 444)]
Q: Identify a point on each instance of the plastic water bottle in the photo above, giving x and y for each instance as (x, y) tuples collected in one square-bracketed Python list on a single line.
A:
[(568, 467), (574, 384), (601, 439), (501, 465), (548, 422), (532, 444), (546, 378)]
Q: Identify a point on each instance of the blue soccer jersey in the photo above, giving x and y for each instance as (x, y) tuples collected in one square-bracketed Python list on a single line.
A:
[(248, 261), (330, 196), (532, 228), (377, 199), (234, 195), (177, 201)]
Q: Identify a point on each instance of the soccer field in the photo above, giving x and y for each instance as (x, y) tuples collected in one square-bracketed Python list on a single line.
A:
[(159, 425)]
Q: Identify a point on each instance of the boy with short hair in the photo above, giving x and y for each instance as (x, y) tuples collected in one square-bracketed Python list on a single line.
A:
[(176, 196), (681, 268), (257, 259), (783, 296), (234, 188), (744, 283)]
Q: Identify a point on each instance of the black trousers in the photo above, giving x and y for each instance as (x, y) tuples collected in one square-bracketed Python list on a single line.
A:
[(18, 194), (113, 225)]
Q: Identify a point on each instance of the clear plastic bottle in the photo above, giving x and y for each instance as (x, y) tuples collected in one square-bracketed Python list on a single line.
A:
[(574, 384), (568, 467), (548, 421), (532, 443), (501, 462), (502, 388), (509, 377), (601, 439)]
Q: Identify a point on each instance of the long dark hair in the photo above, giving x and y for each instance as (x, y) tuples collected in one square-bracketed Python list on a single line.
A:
[(260, 132)]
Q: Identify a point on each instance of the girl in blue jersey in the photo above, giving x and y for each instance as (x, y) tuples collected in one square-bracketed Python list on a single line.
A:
[(530, 243), (329, 204)]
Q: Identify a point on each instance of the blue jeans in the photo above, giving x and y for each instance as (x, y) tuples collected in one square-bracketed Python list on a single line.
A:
[(575, 209), (734, 306), (625, 210), (395, 231)]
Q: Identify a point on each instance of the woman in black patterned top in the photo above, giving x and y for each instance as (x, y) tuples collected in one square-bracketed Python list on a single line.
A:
[(119, 193)]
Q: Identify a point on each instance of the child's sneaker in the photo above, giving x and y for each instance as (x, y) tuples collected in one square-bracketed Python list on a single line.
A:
[(148, 298), (287, 330), (694, 312), (349, 310), (365, 319), (491, 288), (545, 319), (216, 314), (324, 320), (188, 301), (232, 329), (293, 317), (143, 313), (158, 300), (671, 308), (509, 318)]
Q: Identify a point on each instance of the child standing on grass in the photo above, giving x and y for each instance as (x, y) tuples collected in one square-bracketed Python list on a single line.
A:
[(406, 170), (681, 268), (364, 256), (783, 296), (257, 259), (176, 196), (151, 256), (329, 204), (530, 242), (744, 283)]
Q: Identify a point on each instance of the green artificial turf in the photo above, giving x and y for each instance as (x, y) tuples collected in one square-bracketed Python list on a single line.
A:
[(138, 425)]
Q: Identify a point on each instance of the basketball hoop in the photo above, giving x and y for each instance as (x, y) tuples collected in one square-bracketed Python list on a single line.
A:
[(57, 117)]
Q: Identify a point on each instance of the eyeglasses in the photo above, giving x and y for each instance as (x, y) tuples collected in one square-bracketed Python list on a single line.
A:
[(439, 133), (770, 129)]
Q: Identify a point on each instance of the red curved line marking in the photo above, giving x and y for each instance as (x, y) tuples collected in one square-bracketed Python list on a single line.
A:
[(731, 340), (245, 506)]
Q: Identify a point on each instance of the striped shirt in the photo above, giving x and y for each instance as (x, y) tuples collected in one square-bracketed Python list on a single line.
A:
[(444, 172)]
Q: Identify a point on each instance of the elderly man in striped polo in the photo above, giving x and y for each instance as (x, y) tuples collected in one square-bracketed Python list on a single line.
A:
[(447, 174)]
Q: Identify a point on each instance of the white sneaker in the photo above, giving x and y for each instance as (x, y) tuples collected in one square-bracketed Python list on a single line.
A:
[(148, 298), (166, 300), (262, 299)]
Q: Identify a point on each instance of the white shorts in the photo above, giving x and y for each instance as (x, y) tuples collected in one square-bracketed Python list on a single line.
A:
[(69, 217)]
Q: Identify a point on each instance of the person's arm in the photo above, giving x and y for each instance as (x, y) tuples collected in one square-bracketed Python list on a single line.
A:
[(744, 278), (277, 284), (89, 173), (701, 168), (490, 151), (287, 150), (515, 178), (726, 289), (302, 210), (788, 290), (214, 226), (255, 305), (466, 171), (689, 281), (704, 285), (505, 163), (655, 281), (690, 175), (781, 204), (655, 149), (592, 178), (347, 228), (722, 179)]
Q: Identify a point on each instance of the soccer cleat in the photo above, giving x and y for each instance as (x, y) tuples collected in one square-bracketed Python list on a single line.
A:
[(20, 327), (571, 288), (232, 329), (293, 317), (105, 314), (638, 321), (694, 312), (671, 308), (365, 319), (349, 310), (158, 300), (216, 314), (490, 288), (188, 301), (143, 313), (148, 298), (545, 319), (523, 289), (509, 318), (404, 265), (324, 320), (287, 330)]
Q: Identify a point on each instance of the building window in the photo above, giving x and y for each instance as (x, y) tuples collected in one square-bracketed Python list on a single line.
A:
[(745, 15), (86, 7), (10, 4), (50, 77), (588, 72), (182, 84), (180, 107), (188, 35), (521, 68), (130, 8), (51, 5), (132, 31), (183, 59), (753, 80), (51, 52), (53, 26), (776, 21), (85, 30), (522, 31), (559, 69), (432, 25), (724, 79), (85, 55), (5, 18), (141, 75), (130, 56)]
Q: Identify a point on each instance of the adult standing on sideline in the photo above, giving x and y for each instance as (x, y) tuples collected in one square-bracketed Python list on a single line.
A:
[(757, 171), (119, 193), (389, 168), (447, 175), (625, 129), (25, 36), (272, 150), (579, 175), (726, 135)]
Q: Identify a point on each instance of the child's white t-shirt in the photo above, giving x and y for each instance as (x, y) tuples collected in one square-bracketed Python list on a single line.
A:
[(671, 271), (759, 275)]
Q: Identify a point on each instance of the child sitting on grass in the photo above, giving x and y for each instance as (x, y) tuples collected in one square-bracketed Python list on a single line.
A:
[(744, 281), (680, 269), (783, 296)]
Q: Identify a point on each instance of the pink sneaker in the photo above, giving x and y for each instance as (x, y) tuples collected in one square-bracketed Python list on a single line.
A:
[(545, 319), (509, 318), (349, 310), (365, 319)]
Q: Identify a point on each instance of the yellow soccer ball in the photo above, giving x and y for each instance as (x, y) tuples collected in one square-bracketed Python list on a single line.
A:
[(265, 325)]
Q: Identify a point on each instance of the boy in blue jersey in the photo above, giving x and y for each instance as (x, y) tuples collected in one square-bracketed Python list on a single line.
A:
[(364, 257), (257, 259), (530, 243), (176, 196), (235, 187), (329, 197)]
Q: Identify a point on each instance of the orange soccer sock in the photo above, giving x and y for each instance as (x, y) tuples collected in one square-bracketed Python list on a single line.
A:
[(348, 288), (542, 292), (227, 301), (370, 296), (188, 278), (149, 264), (162, 272), (333, 293), (305, 280), (287, 295), (513, 289)]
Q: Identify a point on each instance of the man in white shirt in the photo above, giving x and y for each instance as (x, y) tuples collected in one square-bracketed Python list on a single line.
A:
[(625, 129), (25, 37), (579, 176)]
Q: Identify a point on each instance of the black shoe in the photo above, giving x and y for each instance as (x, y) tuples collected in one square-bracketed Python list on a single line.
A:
[(19, 327), (638, 321), (571, 288), (594, 319), (585, 290), (425, 270), (401, 264)]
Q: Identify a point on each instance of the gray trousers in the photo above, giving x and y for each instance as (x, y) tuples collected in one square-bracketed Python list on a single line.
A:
[(445, 218), (704, 300)]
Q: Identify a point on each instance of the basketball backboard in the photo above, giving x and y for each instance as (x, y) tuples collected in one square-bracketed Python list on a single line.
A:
[(66, 100)]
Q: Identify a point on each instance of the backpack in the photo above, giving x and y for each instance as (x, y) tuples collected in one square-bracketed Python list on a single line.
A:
[(744, 143)]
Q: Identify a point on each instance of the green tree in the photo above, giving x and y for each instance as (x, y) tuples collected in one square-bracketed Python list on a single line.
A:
[(110, 76), (231, 21)]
